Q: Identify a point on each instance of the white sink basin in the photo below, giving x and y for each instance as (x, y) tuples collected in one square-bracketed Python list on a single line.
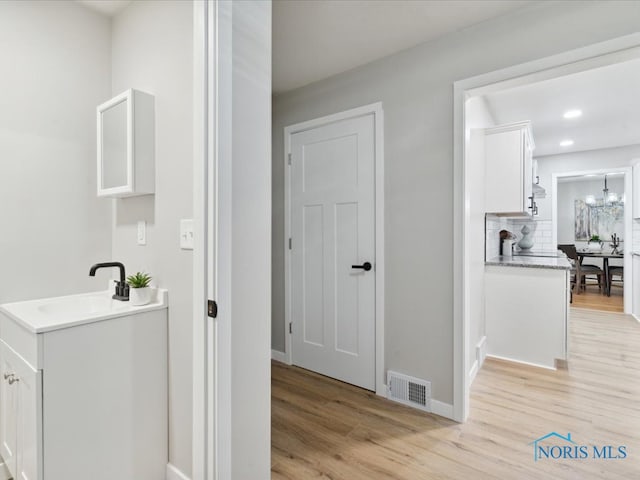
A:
[(87, 305), (44, 315)]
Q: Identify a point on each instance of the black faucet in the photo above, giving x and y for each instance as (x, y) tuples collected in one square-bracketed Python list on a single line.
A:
[(122, 289)]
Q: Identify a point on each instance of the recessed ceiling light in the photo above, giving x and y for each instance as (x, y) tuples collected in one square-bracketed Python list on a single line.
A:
[(566, 143), (572, 113)]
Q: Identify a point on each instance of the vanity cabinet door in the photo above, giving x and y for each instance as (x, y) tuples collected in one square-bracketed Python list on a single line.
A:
[(29, 448), (8, 409), (20, 416)]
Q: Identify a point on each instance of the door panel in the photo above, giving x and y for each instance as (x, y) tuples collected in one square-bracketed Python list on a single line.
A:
[(29, 461), (8, 409), (333, 228), (346, 279), (313, 275)]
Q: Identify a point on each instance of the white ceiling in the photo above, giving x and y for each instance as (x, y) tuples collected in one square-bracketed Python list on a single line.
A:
[(106, 7), (609, 98), (315, 39)]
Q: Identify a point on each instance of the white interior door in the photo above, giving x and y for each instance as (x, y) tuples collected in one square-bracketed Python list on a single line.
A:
[(333, 240)]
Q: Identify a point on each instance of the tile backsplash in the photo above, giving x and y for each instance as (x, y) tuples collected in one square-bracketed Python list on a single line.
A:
[(493, 225), (540, 229)]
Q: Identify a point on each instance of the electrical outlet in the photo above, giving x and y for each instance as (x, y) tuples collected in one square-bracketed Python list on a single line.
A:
[(142, 232), (186, 234)]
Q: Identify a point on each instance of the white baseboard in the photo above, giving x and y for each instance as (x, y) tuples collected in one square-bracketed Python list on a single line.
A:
[(521, 362), (481, 351), (636, 317), (473, 372), (442, 409), (279, 356), (174, 474)]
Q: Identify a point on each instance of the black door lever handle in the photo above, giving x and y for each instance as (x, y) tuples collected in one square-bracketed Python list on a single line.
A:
[(366, 266)]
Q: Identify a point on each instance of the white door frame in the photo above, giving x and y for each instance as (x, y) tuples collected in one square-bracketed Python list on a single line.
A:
[(628, 219), (212, 216), (582, 59), (376, 110)]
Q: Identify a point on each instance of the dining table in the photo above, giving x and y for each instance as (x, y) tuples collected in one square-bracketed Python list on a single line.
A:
[(605, 256)]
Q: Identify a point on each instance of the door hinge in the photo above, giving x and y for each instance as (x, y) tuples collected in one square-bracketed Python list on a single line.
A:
[(289, 159), (212, 308), (290, 327), (290, 243)]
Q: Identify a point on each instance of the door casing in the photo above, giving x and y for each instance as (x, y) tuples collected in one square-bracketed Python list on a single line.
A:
[(374, 109)]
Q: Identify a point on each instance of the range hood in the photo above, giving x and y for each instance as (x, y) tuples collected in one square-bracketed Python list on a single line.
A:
[(538, 191)]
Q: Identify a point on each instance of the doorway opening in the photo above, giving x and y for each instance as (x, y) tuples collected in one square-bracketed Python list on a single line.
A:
[(591, 212), (468, 271)]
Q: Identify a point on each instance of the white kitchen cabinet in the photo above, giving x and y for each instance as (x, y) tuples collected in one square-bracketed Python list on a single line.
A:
[(85, 399), (636, 189), (527, 312), (509, 170)]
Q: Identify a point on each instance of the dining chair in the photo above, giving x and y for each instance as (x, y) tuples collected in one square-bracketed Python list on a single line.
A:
[(618, 271), (585, 270)]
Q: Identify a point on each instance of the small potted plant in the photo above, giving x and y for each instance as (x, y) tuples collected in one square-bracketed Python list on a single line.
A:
[(595, 244), (140, 291)]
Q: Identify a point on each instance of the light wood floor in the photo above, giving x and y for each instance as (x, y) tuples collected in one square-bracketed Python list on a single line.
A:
[(325, 429), (594, 300)]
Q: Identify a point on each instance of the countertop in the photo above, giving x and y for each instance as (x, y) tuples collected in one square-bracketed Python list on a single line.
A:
[(558, 263), (48, 314)]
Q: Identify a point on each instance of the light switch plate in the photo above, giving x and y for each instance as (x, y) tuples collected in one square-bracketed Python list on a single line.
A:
[(186, 234), (142, 232)]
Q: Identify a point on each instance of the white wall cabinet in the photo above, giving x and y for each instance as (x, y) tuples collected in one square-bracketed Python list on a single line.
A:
[(636, 190), (126, 145), (509, 170), (85, 402)]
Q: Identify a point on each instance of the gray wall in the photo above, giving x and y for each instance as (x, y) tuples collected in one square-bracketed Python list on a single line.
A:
[(416, 88), (152, 51), (576, 162), (54, 71)]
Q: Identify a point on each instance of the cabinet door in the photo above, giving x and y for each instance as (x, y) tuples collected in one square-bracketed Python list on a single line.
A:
[(527, 172), (8, 409), (29, 450), (504, 172)]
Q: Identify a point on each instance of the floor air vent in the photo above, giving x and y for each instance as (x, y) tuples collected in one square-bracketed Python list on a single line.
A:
[(409, 390)]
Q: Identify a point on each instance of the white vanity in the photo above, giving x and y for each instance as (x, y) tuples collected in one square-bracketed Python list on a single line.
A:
[(83, 388)]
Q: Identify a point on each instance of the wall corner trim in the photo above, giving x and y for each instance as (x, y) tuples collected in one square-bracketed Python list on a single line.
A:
[(473, 372), (279, 356), (442, 409), (174, 474)]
